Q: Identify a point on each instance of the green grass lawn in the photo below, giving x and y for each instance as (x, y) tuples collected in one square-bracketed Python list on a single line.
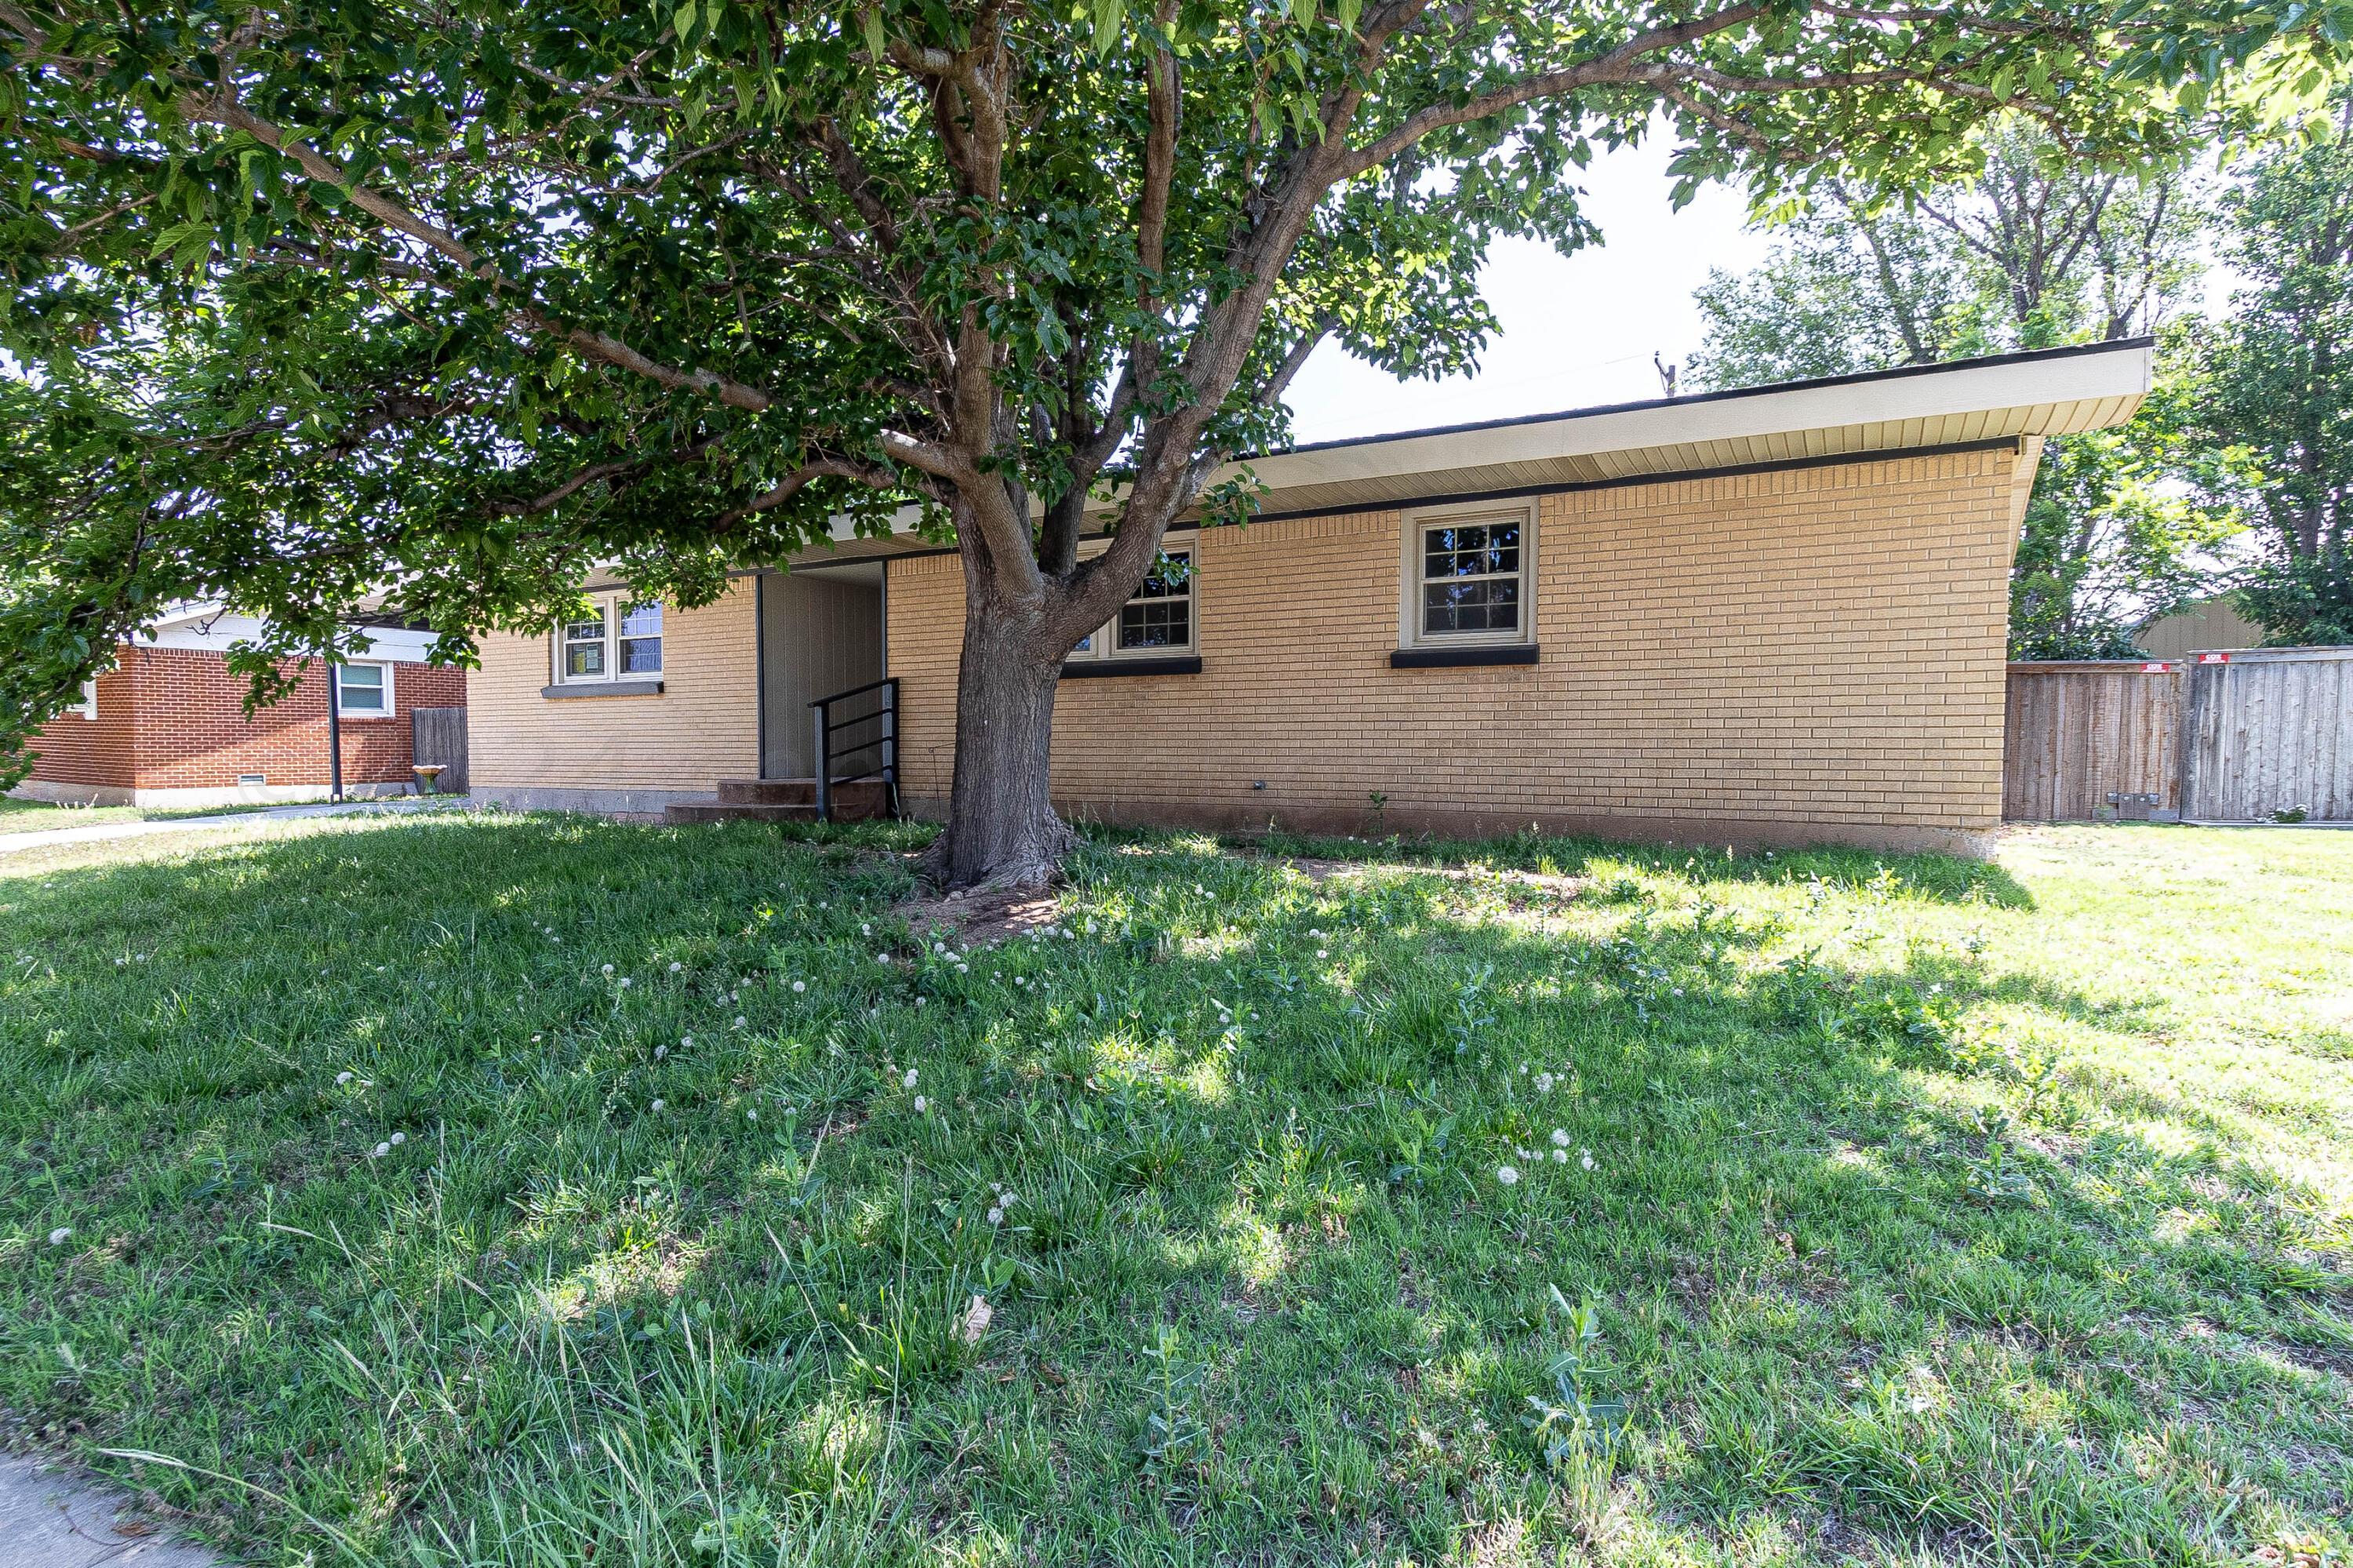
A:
[(40, 816), (509, 1189)]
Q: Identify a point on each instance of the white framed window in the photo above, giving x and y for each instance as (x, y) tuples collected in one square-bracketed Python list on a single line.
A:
[(1157, 623), (1468, 574), (619, 640), (87, 707), (363, 691)]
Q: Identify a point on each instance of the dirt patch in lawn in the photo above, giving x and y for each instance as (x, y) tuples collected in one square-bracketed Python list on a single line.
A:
[(982, 919)]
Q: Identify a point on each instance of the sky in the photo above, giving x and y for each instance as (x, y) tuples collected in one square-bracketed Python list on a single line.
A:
[(1576, 330)]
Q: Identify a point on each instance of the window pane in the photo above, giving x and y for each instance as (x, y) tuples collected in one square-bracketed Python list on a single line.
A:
[(1160, 624), (641, 620), (583, 659), (589, 630), (1171, 576), (641, 655), (363, 687)]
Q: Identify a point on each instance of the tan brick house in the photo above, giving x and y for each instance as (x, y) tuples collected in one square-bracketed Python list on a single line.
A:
[(167, 725), (1775, 615)]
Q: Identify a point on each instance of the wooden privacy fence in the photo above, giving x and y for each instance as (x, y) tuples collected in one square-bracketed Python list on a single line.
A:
[(2268, 731), (2217, 738), (2077, 732), (439, 735)]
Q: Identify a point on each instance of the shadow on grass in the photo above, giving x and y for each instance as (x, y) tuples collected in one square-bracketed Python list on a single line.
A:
[(679, 1259)]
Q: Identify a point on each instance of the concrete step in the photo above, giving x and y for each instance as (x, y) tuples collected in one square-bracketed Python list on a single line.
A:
[(767, 791), (851, 802), (783, 801)]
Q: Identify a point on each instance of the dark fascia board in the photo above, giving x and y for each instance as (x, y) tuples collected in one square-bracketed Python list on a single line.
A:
[(1093, 669), (1461, 658), (1901, 372), (606, 689)]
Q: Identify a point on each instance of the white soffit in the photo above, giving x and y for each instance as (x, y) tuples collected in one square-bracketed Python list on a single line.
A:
[(2053, 393)]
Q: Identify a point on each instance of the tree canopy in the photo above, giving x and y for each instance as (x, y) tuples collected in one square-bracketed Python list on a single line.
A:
[(2278, 382), (433, 305), (2035, 248)]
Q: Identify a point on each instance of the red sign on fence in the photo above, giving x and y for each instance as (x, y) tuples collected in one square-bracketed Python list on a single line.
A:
[(2213, 658), (2155, 669)]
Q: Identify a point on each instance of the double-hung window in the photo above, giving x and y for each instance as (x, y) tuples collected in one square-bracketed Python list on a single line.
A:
[(1467, 578), (363, 691), (1157, 623), (619, 640)]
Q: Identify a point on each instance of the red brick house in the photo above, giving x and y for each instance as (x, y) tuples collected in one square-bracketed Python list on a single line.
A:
[(167, 725)]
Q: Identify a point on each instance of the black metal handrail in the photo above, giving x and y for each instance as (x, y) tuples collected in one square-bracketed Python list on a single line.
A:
[(886, 743)]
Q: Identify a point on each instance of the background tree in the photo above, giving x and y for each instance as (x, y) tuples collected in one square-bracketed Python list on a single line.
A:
[(2279, 381), (447, 300), (2035, 249)]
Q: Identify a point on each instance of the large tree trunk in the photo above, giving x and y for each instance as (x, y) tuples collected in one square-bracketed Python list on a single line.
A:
[(1002, 831)]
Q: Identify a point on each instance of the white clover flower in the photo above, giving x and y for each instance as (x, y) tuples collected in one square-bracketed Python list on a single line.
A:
[(1560, 1138), (343, 1078), (881, 958), (908, 1081), (609, 968), (381, 1149), (59, 1236), (751, 1116), (1544, 1082), (922, 1104), (800, 985), (964, 969), (1560, 1157), (655, 1105), (1584, 1157), (1509, 1175), (677, 968), (865, 929), (996, 1217), (939, 946), (741, 1020), (398, 1138)]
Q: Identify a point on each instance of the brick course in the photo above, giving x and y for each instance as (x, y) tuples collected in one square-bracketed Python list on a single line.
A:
[(1796, 655), (172, 719)]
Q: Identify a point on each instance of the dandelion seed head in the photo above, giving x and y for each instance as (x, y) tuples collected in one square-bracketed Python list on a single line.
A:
[(1509, 1175)]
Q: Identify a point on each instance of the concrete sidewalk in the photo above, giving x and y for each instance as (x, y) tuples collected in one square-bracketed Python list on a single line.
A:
[(50, 1519), (397, 805)]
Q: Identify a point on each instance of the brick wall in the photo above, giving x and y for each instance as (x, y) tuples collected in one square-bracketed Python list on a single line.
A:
[(622, 753), (172, 719), (72, 750), (1797, 655)]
